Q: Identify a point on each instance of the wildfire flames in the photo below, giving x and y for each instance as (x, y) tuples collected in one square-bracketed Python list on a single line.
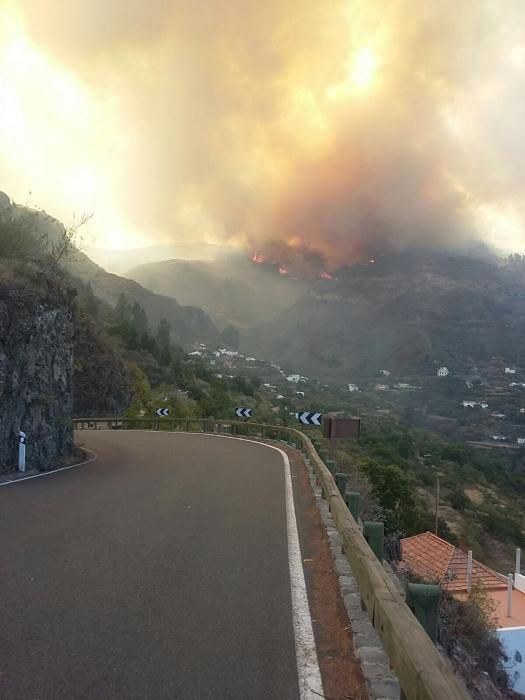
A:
[(294, 271)]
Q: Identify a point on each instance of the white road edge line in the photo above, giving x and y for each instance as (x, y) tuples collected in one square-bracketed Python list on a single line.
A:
[(308, 671), (52, 471), (310, 683)]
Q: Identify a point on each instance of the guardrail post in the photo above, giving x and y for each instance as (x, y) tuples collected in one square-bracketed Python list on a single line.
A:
[(352, 499), (374, 534), (423, 600), (341, 480), (331, 466)]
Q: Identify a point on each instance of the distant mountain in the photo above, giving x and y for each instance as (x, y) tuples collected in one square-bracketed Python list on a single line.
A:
[(119, 261), (189, 325), (232, 289), (406, 313)]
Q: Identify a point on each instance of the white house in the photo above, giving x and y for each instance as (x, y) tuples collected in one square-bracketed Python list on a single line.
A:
[(497, 437), (498, 415), (385, 372), (294, 378), (353, 387), (484, 405), (521, 441), (508, 370), (443, 372), (469, 404), (381, 387), (522, 410), (195, 353)]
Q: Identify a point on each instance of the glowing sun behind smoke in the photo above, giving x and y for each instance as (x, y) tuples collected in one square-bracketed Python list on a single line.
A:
[(363, 69)]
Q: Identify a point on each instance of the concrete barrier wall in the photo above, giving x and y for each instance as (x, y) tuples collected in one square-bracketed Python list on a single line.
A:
[(423, 673)]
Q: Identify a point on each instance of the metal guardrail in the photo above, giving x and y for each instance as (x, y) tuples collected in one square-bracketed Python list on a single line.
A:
[(422, 672)]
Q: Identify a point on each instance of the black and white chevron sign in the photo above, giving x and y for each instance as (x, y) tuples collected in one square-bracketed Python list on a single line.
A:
[(309, 418), (163, 412), (243, 412)]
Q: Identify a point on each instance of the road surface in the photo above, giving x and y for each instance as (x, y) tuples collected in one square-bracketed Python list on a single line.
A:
[(159, 570)]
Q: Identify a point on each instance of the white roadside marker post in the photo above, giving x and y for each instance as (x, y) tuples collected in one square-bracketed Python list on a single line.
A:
[(22, 451)]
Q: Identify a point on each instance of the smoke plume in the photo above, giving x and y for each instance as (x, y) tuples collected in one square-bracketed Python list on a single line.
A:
[(334, 128)]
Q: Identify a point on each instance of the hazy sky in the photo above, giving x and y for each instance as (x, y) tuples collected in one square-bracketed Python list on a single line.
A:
[(328, 124)]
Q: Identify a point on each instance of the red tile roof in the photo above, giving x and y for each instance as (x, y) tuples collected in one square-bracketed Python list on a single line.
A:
[(437, 561)]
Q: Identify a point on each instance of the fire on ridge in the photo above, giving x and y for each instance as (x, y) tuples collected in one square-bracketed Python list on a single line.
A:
[(294, 271)]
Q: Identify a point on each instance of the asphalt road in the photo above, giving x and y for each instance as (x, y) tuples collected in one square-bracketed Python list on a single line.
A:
[(160, 570)]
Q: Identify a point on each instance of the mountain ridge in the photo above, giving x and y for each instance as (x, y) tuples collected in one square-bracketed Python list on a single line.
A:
[(408, 313)]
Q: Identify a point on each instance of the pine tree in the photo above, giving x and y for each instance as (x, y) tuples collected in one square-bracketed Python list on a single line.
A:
[(122, 308), (164, 342)]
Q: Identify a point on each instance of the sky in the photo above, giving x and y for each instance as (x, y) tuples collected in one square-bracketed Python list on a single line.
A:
[(338, 128)]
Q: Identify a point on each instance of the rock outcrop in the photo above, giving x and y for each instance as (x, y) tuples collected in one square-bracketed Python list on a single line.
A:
[(36, 367)]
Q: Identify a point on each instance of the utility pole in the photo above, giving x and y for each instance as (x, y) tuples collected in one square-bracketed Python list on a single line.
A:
[(437, 505)]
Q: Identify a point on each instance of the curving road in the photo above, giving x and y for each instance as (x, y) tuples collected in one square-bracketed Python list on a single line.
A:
[(159, 570)]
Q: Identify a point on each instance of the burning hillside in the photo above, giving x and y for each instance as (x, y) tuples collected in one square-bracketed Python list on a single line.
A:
[(294, 262)]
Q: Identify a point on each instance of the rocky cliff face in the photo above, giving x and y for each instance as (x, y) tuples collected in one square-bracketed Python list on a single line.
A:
[(36, 368)]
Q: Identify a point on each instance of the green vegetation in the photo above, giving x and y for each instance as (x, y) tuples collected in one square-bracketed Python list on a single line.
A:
[(165, 375), (481, 493)]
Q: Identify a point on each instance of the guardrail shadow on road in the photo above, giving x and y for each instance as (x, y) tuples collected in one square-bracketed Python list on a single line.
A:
[(422, 672)]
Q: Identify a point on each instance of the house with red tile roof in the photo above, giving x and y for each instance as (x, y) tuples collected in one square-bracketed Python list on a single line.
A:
[(436, 561)]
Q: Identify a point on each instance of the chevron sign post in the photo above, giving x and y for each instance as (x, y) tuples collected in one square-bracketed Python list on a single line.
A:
[(309, 418), (164, 412), (243, 412)]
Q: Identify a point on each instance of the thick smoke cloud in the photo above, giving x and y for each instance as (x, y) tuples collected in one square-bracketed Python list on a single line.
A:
[(337, 127)]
